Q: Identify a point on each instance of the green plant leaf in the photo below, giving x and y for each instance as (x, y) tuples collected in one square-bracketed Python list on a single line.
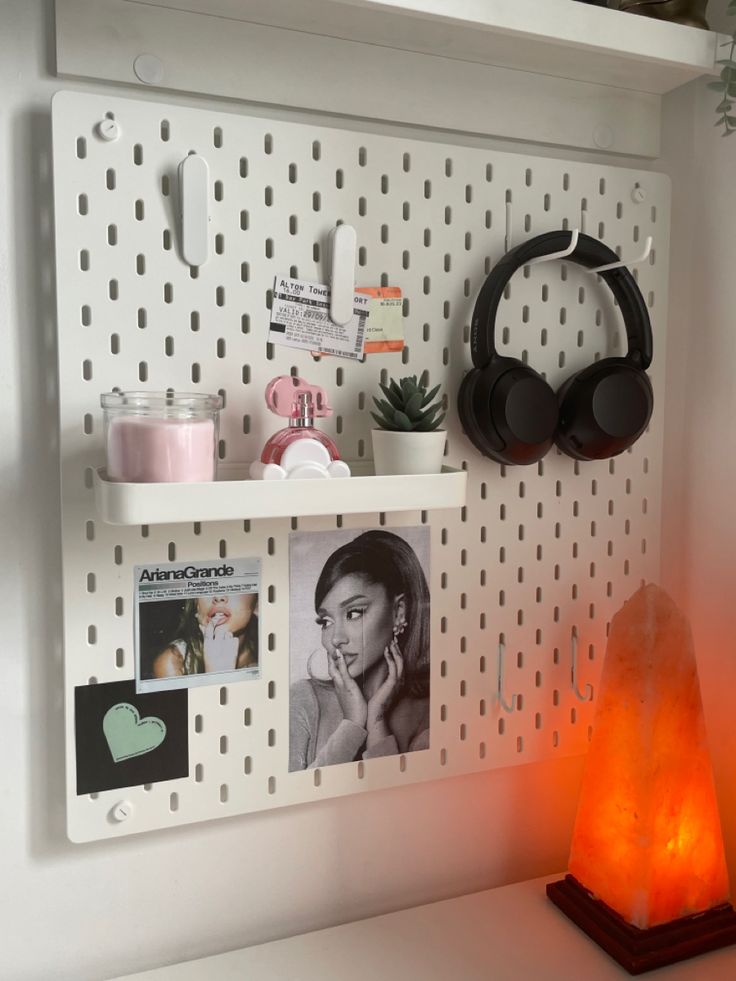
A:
[(382, 424), (431, 411), (413, 405), (403, 422), (430, 395), (397, 391), (395, 400), (724, 106), (716, 86), (428, 427)]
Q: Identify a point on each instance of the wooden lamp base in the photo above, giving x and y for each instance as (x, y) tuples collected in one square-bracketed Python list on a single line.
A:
[(642, 950)]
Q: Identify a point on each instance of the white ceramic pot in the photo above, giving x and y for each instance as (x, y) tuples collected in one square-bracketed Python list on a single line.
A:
[(408, 453)]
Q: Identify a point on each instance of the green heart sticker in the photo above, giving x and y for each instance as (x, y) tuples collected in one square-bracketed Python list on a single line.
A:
[(128, 735)]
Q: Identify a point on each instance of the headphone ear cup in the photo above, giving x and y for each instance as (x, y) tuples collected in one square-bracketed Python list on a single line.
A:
[(508, 411), (604, 409), (484, 440)]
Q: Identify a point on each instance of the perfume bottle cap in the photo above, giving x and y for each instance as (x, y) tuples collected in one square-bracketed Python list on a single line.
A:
[(294, 398)]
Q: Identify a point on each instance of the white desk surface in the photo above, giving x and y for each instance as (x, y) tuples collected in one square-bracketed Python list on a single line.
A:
[(513, 933)]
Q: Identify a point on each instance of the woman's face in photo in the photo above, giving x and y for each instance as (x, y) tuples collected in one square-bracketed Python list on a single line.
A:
[(231, 612), (356, 617)]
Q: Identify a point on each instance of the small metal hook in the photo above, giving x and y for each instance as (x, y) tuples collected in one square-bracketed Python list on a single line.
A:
[(627, 262), (587, 694), (506, 706)]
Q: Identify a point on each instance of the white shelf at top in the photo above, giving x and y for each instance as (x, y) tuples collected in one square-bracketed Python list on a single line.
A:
[(232, 498), (565, 38)]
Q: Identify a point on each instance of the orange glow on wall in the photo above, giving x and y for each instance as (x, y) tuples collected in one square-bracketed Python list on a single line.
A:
[(647, 838)]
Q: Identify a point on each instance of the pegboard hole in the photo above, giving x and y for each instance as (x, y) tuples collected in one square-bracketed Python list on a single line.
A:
[(198, 723), (223, 793), (173, 802)]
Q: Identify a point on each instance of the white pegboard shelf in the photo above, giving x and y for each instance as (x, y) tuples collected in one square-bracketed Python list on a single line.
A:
[(556, 37), (236, 498), (524, 576)]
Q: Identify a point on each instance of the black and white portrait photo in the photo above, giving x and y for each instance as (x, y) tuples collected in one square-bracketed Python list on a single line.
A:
[(359, 645)]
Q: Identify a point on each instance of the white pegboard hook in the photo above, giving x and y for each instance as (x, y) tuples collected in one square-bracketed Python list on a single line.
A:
[(194, 181), (627, 262), (513, 704), (587, 694), (562, 254), (343, 247)]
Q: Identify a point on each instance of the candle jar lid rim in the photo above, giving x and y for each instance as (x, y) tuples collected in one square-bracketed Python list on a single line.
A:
[(192, 401)]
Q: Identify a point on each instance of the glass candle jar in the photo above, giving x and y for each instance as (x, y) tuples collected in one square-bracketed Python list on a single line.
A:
[(160, 436)]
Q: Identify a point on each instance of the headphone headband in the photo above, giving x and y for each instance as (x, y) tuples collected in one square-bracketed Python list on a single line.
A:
[(589, 253)]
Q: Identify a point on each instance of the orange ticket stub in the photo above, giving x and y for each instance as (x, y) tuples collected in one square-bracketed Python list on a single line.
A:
[(384, 329)]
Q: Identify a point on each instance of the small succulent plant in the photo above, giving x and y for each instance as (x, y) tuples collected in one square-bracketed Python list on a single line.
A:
[(408, 406)]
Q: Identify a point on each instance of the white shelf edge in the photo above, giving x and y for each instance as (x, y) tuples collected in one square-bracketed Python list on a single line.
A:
[(447, 28), (481, 67), (240, 500)]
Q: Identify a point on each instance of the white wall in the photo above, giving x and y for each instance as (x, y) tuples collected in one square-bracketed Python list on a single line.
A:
[(95, 911), (700, 481)]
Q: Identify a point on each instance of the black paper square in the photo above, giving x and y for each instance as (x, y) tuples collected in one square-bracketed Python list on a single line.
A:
[(96, 768)]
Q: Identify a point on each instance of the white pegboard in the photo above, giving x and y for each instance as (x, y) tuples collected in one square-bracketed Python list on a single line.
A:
[(536, 553)]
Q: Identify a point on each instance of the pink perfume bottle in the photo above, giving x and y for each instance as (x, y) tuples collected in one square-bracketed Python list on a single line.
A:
[(299, 451)]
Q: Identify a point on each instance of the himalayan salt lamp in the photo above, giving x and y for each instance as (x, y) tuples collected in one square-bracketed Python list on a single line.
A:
[(648, 878)]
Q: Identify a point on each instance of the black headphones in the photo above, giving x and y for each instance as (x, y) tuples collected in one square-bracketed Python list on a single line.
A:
[(512, 415)]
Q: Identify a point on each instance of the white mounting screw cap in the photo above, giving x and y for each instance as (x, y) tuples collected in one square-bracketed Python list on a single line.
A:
[(149, 69), (638, 194), (122, 811), (108, 130), (603, 137)]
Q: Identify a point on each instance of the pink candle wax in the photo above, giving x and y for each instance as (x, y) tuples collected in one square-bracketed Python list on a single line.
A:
[(142, 449)]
